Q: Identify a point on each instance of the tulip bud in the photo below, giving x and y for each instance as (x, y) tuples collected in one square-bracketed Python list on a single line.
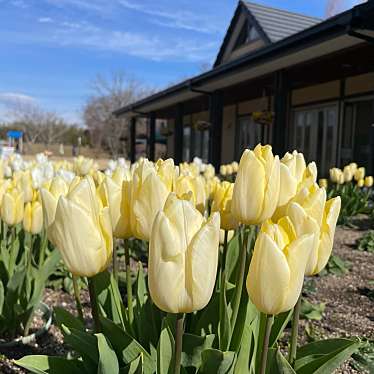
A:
[(353, 167), (360, 183), (12, 207), (222, 204), (167, 172), (186, 184), (82, 230), (223, 170), (83, 165), (148, 196), (348, 175), (360, 174), (235, 166), (277, 268), (323, 183), (257, 186), (183, 257), (368, 181), (229, 169), (33, 217), (336, 175), (117, 198)]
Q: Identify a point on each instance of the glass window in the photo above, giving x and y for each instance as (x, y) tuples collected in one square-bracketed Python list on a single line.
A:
[(250, 134), (186, 143)]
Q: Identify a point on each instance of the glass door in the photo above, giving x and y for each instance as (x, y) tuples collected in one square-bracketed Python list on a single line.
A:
[(249, 134), (315, 135)]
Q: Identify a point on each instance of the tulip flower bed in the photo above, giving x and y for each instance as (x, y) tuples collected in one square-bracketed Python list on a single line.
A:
[(174, 269)]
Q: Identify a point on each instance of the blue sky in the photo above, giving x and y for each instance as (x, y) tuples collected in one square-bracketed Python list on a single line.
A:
[(52, 49)]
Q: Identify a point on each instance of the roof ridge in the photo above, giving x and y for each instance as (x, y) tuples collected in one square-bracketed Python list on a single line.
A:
[(282, 10)]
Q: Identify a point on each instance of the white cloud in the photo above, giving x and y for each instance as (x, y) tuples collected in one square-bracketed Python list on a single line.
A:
[(178, 19), (19, 4), (9, 98), (45, 20)]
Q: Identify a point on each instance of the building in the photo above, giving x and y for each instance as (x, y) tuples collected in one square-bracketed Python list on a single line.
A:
[(282, 78)]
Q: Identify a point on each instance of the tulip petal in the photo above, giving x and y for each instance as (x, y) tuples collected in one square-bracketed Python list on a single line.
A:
[(269, 276), (288, 185), (77, 237), (297, 253), (49, 206), (201, 263), (248, 194)]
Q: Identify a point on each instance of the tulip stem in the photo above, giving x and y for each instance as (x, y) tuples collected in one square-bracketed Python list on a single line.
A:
[(43, 247), (294, 332), (240, 278), (77, 297), (128, 284), (94, 305), (178, 343), (265, 346), (115, 262), (222, 301)]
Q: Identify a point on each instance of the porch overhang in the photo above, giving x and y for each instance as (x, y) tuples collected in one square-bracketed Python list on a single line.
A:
[(345, 30)]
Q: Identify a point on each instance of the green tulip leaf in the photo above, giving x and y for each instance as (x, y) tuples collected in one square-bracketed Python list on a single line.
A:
[(277, 363), (217, 362), (40, 364), (324, 356), (126, 348), (1, 297), (165, 351), (280, 323), (108, 363), (135, 367), (63, 317), (193, 345), (242, 362)]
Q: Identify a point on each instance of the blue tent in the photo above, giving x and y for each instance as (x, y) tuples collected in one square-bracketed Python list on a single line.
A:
[(15, 134)]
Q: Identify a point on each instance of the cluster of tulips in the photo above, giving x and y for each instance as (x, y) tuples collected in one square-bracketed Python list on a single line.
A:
[(349, 174), (184, 212)]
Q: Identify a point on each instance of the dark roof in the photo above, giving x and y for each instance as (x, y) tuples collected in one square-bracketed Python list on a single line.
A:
[(357, 18), (279, 24)]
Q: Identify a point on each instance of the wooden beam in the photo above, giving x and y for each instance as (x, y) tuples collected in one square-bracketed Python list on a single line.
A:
[(152, 136), (178, 134), (133, 139), (216, 120)]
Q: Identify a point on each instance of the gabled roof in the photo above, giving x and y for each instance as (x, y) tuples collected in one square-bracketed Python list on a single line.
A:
[(271, 23), (279, 24)]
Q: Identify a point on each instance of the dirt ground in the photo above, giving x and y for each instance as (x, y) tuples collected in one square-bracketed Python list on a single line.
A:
[(349, 311)]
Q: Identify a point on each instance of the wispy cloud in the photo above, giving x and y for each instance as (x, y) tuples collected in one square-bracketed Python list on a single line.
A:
[(10, 98), (19, 4), (45, 20), (175, 19)]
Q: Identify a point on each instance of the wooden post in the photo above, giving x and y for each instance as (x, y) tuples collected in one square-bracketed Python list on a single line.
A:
[(133, 139), (178, 134), (216, 121), (152, 136), (281, 96)]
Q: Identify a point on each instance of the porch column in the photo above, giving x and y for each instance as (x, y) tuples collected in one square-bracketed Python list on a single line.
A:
[(133, 139), (178, 134), (281, 103), (152, 136), (216, 121)]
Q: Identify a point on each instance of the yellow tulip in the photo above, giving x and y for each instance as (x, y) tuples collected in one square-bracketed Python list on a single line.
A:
[(348, 175), (277, 268), (33, 217), (25, 184), (12, 207), (230, 235), (235, 166), (195, 185), (353, 167), (368, 181), (323, 183), (209, 172), (336, 175), (223, 170), (257, 186), (222, 204), (83, 165), (49, 198), (183, 257), (148, 196), (229, 169), (360, 174), (82, 230), (117, 198), (360, 183), (167, 172)]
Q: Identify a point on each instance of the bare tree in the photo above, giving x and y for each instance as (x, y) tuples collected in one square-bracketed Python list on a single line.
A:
[(37, 124), (107, 96)]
